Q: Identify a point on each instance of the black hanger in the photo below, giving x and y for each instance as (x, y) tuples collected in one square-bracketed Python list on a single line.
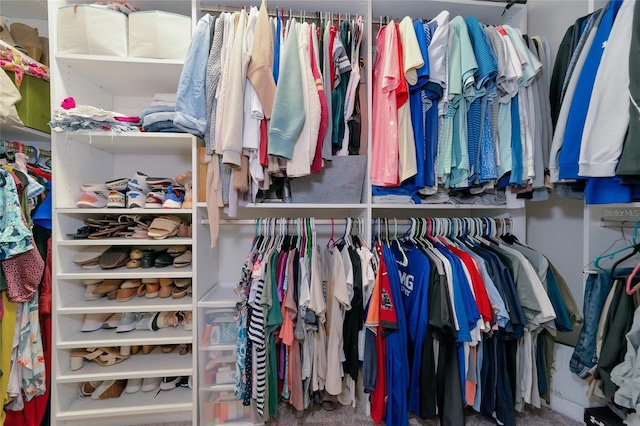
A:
[(3, 180), (636, 249)]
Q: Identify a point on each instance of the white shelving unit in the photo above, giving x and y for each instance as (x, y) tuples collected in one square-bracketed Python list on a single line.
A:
[(127, 85)]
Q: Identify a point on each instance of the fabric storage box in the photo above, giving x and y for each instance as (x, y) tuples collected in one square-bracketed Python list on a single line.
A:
[(340, 182), (159, 35), (91, 30), (35, 108)]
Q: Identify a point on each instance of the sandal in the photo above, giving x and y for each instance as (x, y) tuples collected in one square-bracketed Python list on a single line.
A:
[(177, 250), (81, 233), (183, 260), (102, 356), (179, 293), (164, 226), (115, 257), (109, 389)]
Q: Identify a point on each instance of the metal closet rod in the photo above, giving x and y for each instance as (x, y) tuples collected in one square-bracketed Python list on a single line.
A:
[(291, 221), (272, 12)]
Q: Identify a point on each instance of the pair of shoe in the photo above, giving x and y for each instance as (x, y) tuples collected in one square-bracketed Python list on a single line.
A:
[(103, 356)]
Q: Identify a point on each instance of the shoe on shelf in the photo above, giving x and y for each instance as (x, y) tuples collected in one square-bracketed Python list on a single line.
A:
[(184, 178), (160, 183), (87, 388), (169, 383), (139, 183), (183, 260), (188, 321), (136, 199), (188, 196), (154, 200), (133, 386), (116, 200), (147, 321), (117, 184), (127, 322), (109, 389), (150, 384), (89, 294), (93, 322), (92, 200), (113, 321), (173, 198)]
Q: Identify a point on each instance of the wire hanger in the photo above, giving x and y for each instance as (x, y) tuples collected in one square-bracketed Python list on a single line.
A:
[(605, 254)]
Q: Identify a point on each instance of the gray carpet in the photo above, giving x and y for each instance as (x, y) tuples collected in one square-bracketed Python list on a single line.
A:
[(350, 416)]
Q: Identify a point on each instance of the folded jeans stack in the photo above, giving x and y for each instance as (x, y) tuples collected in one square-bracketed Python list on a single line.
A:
[(159, 116)]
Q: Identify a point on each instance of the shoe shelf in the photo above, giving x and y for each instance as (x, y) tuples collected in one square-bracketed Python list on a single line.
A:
[(154, 364), (159, 406), (104, 337), (139, 211), (76, 272), (137, 304), (119, 241)]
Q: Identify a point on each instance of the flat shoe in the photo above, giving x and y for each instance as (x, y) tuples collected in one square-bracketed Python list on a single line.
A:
[(166, 291), (183, 260), (107, 286), (179, 292), (126, 294), (164, 259), (182, 282), (150, 384)]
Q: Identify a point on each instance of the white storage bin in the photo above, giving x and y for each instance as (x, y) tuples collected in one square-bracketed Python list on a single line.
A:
[(91, 30), (220, 407), (159, 35)]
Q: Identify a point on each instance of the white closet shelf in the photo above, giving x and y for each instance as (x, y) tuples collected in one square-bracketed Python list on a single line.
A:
[(154, 364), (73, 210), (174, 401), (139, 76), (127, 242), (220, 296), (137, 304), (487, 12), (104, 337), (151, 143), (168, 272), (23, 134)]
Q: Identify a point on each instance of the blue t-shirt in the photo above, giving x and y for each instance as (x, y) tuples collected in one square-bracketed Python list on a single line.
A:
[(397, 363), (414, 279)]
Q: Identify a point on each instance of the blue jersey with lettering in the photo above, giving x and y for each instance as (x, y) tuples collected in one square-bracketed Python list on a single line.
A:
[(414, 274)]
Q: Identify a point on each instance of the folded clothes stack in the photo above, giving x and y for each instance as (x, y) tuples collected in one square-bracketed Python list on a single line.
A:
[(158, 117), (72, 117)]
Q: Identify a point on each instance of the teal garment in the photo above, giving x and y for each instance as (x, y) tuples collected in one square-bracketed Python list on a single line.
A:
[(460, 143), (504, 136), (339, 93), (287, 116), (454, 92), (274, 319)]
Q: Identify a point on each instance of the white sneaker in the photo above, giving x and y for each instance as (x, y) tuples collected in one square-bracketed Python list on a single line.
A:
[(155, 199), (135, 199)]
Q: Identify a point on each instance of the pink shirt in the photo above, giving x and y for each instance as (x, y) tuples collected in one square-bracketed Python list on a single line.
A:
[(384, 156)]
